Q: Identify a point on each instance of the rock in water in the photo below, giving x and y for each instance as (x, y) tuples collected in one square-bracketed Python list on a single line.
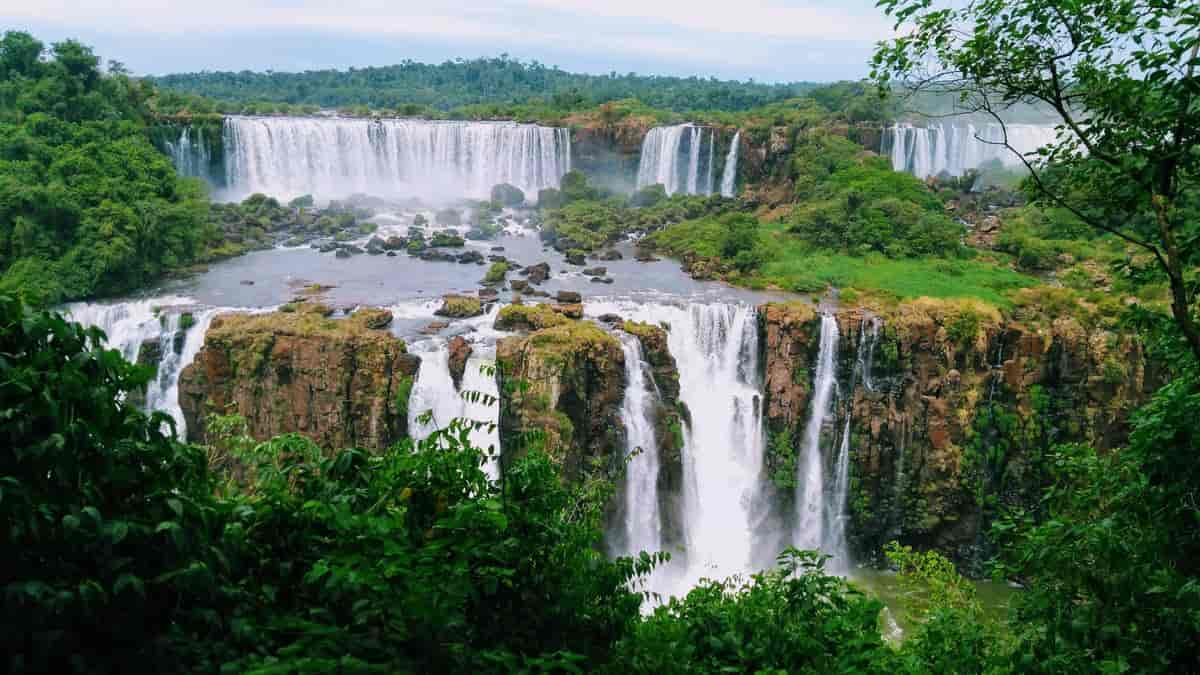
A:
[(460, 307), (537, 273), (460, 350)]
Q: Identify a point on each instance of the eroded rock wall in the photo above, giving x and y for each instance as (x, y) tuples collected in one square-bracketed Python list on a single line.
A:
[(565, 384), (952, 411), (333, 380)]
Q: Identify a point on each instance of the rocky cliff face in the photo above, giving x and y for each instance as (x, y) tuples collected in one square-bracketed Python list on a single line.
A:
[(609, 153), (564, 383), (333, 380), (952, 411)]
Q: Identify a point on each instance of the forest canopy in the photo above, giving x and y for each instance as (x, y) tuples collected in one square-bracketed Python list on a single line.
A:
[(462, 82), (87, 204)]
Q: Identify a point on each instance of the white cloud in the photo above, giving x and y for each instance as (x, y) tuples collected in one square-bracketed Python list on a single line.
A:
[(751, 36)]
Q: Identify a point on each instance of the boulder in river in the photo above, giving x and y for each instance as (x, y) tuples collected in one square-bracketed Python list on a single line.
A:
[(537, 273), (460, 307), (459, 351)]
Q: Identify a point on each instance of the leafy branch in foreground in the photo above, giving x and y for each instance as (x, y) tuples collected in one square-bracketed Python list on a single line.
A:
[(1120, 80)]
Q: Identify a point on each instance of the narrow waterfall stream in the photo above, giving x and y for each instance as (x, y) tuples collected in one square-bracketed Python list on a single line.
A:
[(434, 392), (729, 175), (809, 527), (131, 326), (642, 522), (838, 512), (163, 392)]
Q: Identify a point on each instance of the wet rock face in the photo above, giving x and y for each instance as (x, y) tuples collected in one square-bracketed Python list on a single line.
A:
[(459, 351), (564, 383), (335, 381), (945, 405)]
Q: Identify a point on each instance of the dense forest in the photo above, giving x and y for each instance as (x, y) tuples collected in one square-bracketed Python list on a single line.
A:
[(130, 549), (462, 82), (87, 204)]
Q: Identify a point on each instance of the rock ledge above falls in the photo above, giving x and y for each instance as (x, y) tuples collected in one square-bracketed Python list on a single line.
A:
[(333, 380)]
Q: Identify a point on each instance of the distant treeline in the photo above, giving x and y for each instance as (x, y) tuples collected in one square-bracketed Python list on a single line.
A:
[(462, 82)]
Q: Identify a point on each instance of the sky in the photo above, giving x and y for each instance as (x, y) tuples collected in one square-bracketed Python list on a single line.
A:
[(769, 41)]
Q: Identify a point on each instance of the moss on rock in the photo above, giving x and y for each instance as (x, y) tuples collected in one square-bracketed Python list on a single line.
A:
[(460, 307), (528, 318)]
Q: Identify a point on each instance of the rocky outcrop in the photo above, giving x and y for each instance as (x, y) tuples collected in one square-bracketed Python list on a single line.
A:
[(335, 381), (459, 350), (561, 390), (459, 307), (609, 153), (520, 318), (952, 408)]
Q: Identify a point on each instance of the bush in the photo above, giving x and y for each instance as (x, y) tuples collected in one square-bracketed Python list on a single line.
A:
[(507, 195), (792, 619), (648, 196)]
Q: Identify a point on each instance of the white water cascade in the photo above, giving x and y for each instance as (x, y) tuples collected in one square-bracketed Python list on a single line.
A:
[(953, 149), (642, 522), (809, 532), (128, 325), (729, 175), (331, 157), (725, 505), (671, 156), (838, 513), (190, 153), (434, 391)]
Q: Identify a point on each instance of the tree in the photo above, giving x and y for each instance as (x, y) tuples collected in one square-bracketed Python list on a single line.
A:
[(1120, 80)]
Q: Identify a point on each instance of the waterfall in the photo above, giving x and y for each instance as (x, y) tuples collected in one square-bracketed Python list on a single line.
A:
[(724, 502), (671, 156), (330, 157), (434, 391), (809, 530), (130, 325), (729, 175), (642, 522), (190, 155), (954, 149), (838, 512), (162, 393)]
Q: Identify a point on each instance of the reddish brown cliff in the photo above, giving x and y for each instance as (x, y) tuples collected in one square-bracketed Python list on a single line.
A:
[(332, 380)]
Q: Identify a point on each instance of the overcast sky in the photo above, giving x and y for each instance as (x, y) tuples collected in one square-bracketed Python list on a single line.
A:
[(739, 39)]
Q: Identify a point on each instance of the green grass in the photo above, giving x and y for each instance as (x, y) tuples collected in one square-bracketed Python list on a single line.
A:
[(794, 265)]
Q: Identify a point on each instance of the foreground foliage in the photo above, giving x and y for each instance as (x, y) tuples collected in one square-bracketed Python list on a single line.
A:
[(131, 551)]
